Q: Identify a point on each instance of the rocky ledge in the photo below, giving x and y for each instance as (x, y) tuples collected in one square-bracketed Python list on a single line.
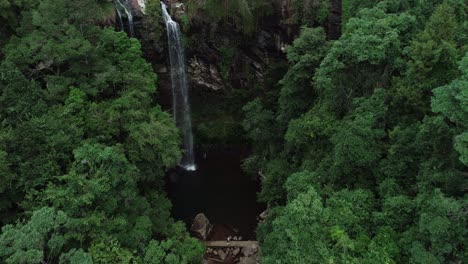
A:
[(230, 250)]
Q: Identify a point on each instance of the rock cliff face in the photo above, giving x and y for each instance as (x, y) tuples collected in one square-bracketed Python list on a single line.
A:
[(219, 56), (204, 75), (138, 7), (226, 65), (222, 57)]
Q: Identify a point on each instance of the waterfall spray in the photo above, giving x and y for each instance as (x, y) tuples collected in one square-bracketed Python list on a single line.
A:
[(180, 93)]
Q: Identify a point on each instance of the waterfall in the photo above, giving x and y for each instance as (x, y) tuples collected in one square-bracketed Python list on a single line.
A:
[(180, 94), (125, 5), (119, 14)]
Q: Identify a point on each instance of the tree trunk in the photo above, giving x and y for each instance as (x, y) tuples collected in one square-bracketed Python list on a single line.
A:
[(334, 20)]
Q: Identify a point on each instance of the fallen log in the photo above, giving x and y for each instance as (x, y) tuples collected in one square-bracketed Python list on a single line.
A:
[(224, 244)]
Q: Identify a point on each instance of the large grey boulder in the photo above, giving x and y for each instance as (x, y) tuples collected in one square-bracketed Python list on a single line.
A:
[(201, 226), (250, 251)]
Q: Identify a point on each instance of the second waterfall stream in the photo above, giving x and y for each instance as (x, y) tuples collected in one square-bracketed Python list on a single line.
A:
[(180, 91), (126, 7)]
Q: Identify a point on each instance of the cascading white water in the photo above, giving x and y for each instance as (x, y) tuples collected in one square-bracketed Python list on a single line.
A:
[(125, 5), (180, 93), (119, 14)]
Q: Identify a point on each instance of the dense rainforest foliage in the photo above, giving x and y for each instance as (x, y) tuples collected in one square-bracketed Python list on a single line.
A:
[(361, 147), (83, 146)]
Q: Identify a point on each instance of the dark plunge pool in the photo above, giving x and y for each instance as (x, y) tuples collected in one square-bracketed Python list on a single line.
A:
[(219, 189)]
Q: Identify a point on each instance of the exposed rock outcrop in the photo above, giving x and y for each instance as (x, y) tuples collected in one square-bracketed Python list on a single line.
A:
[(249, 255), (204, 75), (141, 4), (177, 8), (201, 226), (250, 251), (222, 255)]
